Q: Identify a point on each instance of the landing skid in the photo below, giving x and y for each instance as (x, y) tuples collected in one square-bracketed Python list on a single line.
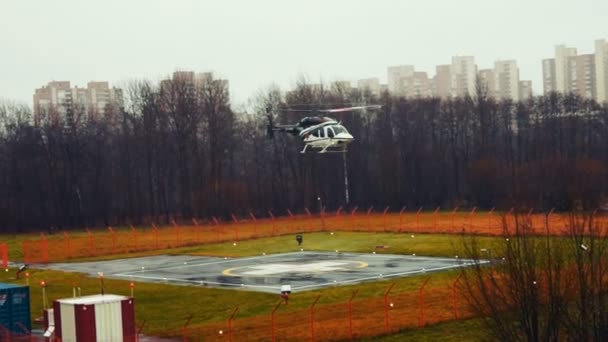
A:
[(323, 150)]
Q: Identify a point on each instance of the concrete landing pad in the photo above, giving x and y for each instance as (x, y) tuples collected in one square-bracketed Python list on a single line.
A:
[(302, 270)]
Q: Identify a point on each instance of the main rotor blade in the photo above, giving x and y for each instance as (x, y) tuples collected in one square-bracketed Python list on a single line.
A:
[(349, 109)]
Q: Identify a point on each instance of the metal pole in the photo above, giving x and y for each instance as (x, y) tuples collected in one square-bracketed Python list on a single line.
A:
[(350, 314), (386, 322), (312, 319), (421, 303), (272, 327), (230, 323), (346, 195)]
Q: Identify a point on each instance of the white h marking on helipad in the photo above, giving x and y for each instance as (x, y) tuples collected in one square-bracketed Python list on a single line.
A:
[(322, 266)]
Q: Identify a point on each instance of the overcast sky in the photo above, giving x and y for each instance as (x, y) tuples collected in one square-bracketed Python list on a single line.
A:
[(254, 43)]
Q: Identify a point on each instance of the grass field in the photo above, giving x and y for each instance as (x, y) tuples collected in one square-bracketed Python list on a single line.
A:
[(164, 308)]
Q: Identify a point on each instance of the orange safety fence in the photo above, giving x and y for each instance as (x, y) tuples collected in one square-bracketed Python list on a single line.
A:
[(114, 241), (338, 321), (3, 255)]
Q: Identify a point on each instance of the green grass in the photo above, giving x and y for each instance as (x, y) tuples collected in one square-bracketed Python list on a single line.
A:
[(395, 243), (165, 307)]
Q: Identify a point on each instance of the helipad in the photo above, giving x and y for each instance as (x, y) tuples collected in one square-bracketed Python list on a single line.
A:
[(302, 270)]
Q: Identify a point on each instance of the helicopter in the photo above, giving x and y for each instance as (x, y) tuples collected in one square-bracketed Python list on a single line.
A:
[(318, 132)]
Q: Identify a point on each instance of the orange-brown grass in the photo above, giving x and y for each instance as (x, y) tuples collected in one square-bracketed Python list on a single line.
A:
[(131, 240)]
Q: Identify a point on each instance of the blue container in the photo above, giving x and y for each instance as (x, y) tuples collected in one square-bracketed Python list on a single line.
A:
[(15, 308)]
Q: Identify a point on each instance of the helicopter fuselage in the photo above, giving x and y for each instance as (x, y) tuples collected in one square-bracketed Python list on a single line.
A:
[(329, 136)]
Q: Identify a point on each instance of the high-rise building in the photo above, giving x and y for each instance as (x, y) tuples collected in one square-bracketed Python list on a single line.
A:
[(463, 74), (395, 78), (525, 90), (581, 76), (441, 84), (56, 99), (487, 81), (549, 77), (417, 85), (506, 74), (562, 54), (369, 84), (601, 70)]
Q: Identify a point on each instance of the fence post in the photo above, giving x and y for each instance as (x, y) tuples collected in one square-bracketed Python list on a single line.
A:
[(350, 314), (253, 218), (185, 328), (322, 214), (91, 244), (66, 237), (436, 213), (352, 216), (401, 218), (44, 249), (421, 303), (471, 218), (230, 323), (453, 215), (548, 219), (273, 224), (369, 223), (217, 228), (197, 230), (490, 221), (134, 233), (272, 321), (387, 326), (455, 296), (155, 231), (111, 232), (236, 227), (338, 211), (418, 219), (177, 231), (312, 318), (384, 216)]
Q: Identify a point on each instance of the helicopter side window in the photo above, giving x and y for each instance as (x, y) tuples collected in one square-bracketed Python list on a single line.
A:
[(330, 132), (321, 133), (316, 133)]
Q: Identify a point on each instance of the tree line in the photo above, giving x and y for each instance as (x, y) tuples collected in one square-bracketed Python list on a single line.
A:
[(177, 149)]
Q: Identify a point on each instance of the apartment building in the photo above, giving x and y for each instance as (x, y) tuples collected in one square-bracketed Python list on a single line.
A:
[(463, 75), (506, 76), (58, 98), (581, 75), (487, 82), (395, 76), (417, 85), (549, 82), (441, 82), (601, 70), (525, 90)]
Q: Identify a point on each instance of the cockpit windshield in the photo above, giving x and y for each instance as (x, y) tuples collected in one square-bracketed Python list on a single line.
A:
[(339, 129)]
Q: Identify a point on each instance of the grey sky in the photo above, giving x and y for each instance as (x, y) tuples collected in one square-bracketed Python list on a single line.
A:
[(257, 42)]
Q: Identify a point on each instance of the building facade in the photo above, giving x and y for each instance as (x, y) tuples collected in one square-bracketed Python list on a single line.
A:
[(463, 75), (487, 82), (581, 76), (562, 56), (395, 75), (601, 70), (525, 90), (506, 76), (58, 98)]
